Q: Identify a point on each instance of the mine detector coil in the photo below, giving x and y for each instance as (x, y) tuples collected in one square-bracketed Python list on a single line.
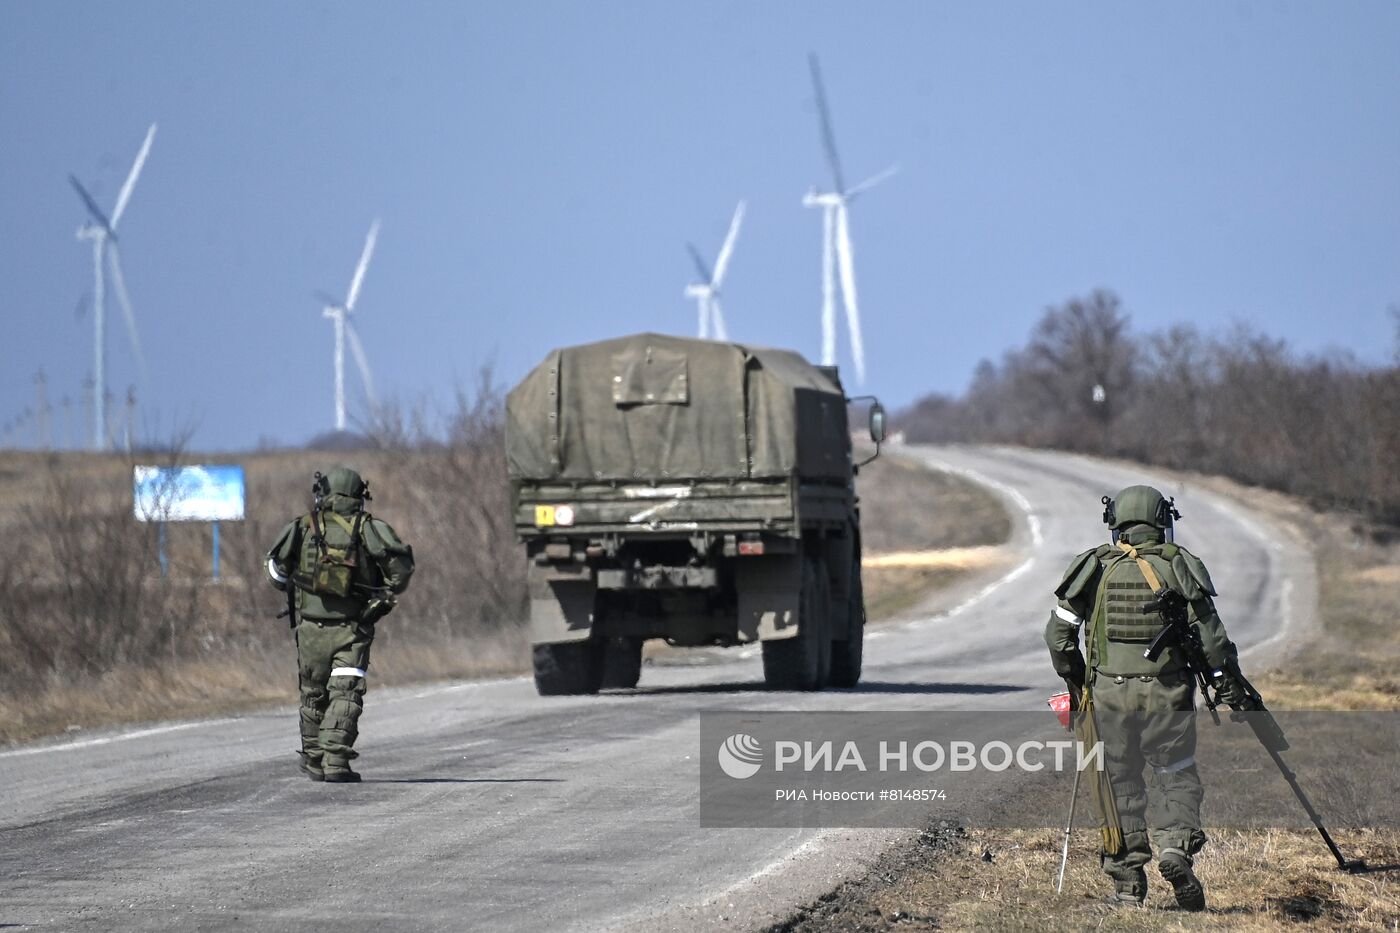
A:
[(1178, 632)]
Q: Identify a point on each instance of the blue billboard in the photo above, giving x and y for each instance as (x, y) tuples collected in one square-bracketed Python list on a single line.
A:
[(205, 493)]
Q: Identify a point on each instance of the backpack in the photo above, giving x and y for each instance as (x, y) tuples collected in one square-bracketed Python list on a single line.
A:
[(336, 566)]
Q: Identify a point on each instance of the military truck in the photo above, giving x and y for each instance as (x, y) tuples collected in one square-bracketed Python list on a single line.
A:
[(695, 491)]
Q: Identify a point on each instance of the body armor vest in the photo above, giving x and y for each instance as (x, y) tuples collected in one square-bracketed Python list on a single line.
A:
[(1124, 595), (1125, 592)]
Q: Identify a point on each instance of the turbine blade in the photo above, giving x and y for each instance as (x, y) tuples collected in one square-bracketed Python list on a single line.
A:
[(727, 250), (325, 299), (125, 195), (846, 262), (91, 205), (824, 113), (828, 287), (362, 362), (359, 278), (871, 182), (119, 286), (721, 332), (700, 265)]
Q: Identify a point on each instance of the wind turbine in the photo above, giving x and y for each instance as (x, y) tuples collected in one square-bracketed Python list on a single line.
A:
[(706, 291), (103, 233), (837, 254), (340, 314)]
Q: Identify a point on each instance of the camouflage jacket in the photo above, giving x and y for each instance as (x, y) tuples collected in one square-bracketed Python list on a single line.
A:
[(387, 567)]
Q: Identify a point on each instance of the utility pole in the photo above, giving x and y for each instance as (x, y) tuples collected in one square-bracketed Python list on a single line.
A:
[(129, 417), (42, 421), (69, 439)]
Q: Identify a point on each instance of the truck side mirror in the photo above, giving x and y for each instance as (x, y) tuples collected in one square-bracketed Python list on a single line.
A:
[(877, 423)]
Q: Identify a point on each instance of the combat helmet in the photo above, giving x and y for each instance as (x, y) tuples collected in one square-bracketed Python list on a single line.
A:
[(1140, 505), (341, 481)]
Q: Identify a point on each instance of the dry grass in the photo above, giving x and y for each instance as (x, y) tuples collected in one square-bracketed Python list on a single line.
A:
[(1356, 663), (923, 530), (1005, 880)]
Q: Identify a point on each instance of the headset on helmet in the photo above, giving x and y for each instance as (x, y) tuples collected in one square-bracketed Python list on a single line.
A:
[(1146, 506), (321, 485)]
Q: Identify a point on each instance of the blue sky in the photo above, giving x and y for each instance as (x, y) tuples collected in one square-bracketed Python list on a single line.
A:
[(538, 168)]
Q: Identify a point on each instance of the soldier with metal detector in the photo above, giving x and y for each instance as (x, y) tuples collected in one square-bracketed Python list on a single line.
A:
[(1142, 708), (1153, 639), (342, 570)]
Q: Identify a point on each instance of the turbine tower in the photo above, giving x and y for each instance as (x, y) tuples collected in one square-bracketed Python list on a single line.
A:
[(706, 291), (103, 233), (837, 254), (340, 314)]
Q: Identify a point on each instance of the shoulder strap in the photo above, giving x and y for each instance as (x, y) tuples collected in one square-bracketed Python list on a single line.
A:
[(347, 526), (1153, 580)]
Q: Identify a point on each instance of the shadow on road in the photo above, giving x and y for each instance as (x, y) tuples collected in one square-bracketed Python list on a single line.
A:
[(875, 686), (464, 781)]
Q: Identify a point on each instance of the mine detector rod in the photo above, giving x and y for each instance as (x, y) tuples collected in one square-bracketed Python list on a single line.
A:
[(1069, 826), (1345, 864), (1177, 632)]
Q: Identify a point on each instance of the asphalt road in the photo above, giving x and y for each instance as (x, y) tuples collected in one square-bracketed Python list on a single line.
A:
[(487, 807)]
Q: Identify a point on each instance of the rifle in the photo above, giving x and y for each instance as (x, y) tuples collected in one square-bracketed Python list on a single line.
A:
[(1178, 632), (291, 611), (382, 601)]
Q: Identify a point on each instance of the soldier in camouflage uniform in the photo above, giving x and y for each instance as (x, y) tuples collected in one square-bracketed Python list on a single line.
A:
[(345, 569), (1144, 710)]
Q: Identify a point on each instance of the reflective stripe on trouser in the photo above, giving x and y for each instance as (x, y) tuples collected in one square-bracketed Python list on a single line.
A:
[(1148, 727), (331, 662)]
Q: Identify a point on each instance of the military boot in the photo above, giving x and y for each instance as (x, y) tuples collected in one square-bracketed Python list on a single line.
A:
[(1176, 868), (311, 767), (1129, 888), (341, 776)]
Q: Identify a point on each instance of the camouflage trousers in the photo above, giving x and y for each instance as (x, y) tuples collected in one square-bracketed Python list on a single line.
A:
[(1148, 727), (332, 659)]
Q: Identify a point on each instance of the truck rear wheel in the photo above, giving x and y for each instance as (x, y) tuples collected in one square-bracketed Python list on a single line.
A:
[(569, 668), (622, 663), (846, 655), (796, 663)]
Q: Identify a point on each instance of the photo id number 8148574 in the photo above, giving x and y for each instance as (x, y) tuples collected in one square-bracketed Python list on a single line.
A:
[(914, 793)]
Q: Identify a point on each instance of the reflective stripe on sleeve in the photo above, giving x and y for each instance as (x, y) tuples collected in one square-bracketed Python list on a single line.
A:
[(1065, 615), (347, 672)]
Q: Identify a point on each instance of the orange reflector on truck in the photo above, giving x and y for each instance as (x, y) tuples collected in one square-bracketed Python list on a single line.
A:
[(750, 547)]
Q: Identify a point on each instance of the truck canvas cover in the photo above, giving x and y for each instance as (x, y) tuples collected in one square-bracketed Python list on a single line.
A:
[(652, 407)]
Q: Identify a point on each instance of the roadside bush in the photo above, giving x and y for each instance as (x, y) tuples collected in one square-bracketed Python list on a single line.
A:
[(85, 603)]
